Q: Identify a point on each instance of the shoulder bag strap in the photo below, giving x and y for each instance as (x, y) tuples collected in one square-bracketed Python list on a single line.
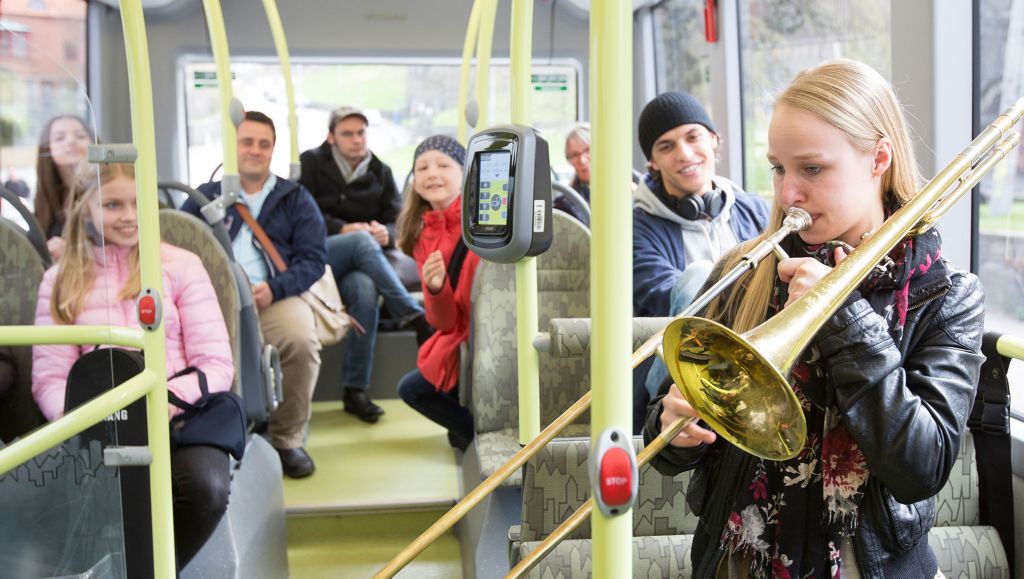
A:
[(262, 237), (204, 389), (990, 426)]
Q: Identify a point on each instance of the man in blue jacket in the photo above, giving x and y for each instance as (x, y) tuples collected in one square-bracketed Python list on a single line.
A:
[(293, 224), (685, 216)]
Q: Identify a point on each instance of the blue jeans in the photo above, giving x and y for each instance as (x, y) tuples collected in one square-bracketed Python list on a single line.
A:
[(363, 273), (441, 407), (683, 294)]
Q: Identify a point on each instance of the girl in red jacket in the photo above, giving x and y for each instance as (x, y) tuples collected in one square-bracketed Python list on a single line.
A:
[(430, 231)]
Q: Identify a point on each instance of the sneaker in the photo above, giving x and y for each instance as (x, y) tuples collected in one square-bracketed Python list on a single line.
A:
[(457, 441), (358, 403), (296, 462)]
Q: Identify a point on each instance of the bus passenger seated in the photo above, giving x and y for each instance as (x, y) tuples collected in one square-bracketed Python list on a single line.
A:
[(96, 282), (63, 146), (431, 231), (685, 217), (360, 202), (292, 222), (887, 382), (7, 371), (577, 152)]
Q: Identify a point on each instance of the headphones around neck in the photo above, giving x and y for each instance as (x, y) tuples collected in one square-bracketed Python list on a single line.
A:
[(696, 207)]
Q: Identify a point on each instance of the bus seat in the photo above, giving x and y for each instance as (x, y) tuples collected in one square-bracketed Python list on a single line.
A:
[(563, 283), (235, 298), (556, 483), (21, 272), (965, 547)]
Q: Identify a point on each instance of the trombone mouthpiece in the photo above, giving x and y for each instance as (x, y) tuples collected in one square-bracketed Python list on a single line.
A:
[(796, 219)]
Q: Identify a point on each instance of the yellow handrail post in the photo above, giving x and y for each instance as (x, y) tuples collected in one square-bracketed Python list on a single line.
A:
[(484, 42), (472, 29), (144, 135), (611, 106), (281, 45), (521, 49), (219, 46)]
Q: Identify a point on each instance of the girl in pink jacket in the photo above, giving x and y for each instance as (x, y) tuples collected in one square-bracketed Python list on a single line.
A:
[(430, 231), (95, 282)]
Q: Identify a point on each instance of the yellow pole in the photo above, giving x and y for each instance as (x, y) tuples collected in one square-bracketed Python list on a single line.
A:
[(467, 57), (144, 135), (521, 50), (219, 45), (281, 45), (484, 42), (611, 106)]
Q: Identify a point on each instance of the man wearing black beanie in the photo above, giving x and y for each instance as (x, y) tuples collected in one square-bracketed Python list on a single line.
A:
[(685, 216)]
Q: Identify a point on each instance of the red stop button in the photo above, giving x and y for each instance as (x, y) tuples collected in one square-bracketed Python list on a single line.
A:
[(616, 477), (147, 311)]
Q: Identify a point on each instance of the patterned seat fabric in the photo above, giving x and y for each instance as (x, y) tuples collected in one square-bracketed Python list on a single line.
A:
[(563, 283), (666, 556), (21, 272), (185, 231), (965, 548), (556, 483)]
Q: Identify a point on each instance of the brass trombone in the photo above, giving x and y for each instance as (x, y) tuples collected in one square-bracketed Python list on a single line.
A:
[(724, 374), (786, 405)]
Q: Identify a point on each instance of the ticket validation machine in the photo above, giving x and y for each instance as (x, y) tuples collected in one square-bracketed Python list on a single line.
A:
[(506, 198)]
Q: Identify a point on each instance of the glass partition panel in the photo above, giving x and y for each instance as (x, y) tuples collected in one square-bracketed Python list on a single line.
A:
[(1000, 227), (681, 52), (404, 102), (779, 38)]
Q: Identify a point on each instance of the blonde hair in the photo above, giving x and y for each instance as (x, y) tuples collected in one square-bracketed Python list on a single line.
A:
[(76, 270), (858, 101)]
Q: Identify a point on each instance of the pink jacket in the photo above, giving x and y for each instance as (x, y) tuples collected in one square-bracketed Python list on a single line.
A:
[(193, 325)]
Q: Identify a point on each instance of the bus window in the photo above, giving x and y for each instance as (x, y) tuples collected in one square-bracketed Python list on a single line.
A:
[(681, 53), (405, 103), (779, 38), (1000, 229)]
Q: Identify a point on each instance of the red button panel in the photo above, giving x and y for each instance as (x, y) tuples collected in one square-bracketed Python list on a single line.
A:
[(616, 477)]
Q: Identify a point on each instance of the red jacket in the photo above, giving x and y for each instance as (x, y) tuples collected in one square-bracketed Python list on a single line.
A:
[(448, 310)]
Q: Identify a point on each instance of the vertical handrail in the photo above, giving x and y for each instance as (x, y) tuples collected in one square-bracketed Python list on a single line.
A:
[(151, 274), (528, 361), (611, 106), (281, 45), (484, 43), (472, 29), (219, 46)]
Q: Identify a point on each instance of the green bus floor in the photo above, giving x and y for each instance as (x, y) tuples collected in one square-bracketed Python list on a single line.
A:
[(402, 461), (358, 546)]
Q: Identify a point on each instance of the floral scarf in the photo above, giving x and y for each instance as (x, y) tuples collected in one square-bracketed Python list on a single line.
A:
[(793, 517)]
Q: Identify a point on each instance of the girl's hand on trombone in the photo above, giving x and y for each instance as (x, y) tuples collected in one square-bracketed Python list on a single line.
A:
[(801, 273), (674, 405)]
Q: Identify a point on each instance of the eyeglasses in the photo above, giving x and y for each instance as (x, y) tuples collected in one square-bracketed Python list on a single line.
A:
[(575, 155)]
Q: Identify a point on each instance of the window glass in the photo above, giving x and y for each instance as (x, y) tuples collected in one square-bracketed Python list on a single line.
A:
[(1000, 227), (681, 52), (404, 103), (39, 78), (779, 38)]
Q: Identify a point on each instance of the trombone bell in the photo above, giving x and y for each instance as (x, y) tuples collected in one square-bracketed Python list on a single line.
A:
[(734, 388)]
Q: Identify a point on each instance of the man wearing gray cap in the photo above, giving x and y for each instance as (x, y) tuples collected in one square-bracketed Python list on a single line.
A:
[(359, 199), (685, 216)]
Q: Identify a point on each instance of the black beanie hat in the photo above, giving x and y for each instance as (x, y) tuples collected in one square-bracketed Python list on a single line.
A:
[(666, 112), (443, 143)]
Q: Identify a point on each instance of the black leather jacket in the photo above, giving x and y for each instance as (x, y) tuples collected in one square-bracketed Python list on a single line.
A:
[(923, 387)]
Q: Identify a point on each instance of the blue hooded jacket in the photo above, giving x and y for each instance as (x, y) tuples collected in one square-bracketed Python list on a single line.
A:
[(659, 257), (293, 223)]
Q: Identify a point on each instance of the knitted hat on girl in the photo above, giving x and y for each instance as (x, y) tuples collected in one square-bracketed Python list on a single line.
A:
[(445, 144), (666, 112)]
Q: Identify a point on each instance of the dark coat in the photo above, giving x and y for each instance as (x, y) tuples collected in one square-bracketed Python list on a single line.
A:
[(373, 196), (294, 225), (924, 387)]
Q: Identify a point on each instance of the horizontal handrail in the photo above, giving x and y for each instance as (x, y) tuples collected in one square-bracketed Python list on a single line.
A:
[(1011, 346), (79, 419), (39, 335)]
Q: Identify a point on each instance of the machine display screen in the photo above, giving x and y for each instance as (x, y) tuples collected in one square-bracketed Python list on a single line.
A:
[(493, 188)]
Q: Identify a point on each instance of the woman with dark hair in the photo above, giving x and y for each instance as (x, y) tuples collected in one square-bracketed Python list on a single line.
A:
[(63, 145)]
